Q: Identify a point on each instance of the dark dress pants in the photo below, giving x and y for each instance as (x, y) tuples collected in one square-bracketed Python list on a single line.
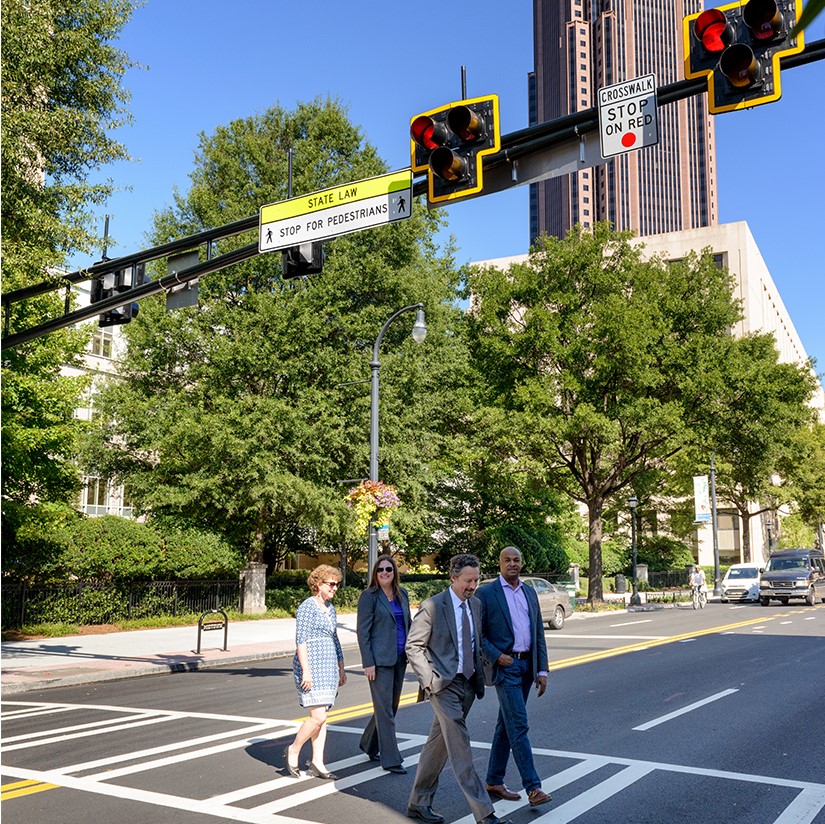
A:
[(379, 735)]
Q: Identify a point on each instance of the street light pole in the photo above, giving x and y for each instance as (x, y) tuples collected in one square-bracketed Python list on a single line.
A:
[(419, 332), (717, 573), (633, 502)]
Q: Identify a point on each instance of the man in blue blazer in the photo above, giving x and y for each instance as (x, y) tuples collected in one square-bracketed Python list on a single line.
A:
[(515, 656)]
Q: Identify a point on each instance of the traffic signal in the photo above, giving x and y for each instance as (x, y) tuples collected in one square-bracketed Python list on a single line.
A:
[(120, 280), (449, 143), (306, 259), (738, 47)]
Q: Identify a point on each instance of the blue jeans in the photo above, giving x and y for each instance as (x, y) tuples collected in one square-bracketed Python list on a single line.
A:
[(513, 688)]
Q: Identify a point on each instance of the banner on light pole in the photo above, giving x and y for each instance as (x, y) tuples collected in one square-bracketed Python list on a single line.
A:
[(701, 498)]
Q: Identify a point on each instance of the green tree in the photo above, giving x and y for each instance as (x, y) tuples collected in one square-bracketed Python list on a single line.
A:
[(602, 361), (806, 477), (757, 417), (232, 415), (61, 95)]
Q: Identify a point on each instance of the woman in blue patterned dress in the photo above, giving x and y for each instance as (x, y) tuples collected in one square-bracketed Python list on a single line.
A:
[(318, 668)]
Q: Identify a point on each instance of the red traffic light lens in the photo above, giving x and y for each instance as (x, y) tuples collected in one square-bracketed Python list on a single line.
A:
[(712, 31), (448, 165), (762, 17), (428, 133), (739, 65), (465, 123)]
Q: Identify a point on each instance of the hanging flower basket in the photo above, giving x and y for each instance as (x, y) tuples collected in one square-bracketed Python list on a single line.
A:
[(372, 499)]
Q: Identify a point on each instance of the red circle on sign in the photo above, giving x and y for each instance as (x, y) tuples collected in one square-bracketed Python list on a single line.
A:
[(628, 140)]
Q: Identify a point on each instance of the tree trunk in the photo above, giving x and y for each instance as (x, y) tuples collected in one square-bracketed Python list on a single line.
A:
[(256, 550), (594, 514), (745, 517)]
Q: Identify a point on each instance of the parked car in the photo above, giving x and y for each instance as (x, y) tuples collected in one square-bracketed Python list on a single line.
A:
[(554, 601), (741, 583), (793, 573)]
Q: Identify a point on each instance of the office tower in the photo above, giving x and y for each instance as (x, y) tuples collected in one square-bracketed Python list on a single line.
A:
[(583, 45)]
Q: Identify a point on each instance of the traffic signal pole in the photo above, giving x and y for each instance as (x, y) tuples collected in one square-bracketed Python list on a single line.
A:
[(526, 156), (560, 146)]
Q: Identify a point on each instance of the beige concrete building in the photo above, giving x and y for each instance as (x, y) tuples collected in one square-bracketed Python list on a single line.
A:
[(99, 496)]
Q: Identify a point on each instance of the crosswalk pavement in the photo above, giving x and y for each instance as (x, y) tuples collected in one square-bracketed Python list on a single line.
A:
[(56, 733)]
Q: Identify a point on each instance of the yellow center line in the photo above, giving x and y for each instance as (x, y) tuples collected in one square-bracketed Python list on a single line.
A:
[(359, 710), (19, 788), (641, 645)]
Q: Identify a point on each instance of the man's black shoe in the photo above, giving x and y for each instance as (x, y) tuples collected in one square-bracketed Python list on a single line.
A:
[(426, 814), (398, 770), (494, 819)]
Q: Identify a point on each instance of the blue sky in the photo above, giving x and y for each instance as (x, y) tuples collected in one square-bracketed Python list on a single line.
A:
[(208, 62)]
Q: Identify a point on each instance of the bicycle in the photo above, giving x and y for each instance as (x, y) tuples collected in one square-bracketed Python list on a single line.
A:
[(699, 597)]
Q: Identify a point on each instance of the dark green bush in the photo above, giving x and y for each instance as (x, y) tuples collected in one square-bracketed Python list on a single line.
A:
[(661, 553)]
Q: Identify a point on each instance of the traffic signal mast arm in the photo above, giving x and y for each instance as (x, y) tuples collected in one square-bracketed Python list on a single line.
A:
[(142, 291), (525, 156), (549, 149)]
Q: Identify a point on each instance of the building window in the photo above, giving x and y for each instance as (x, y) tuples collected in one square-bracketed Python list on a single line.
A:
[(126, 506), (95, 497), (102, 343)]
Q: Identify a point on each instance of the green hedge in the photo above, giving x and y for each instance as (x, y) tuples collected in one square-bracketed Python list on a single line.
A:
[(346, 599)]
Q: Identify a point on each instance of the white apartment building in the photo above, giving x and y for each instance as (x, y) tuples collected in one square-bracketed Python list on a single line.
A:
[(763, 310), (99, 496)]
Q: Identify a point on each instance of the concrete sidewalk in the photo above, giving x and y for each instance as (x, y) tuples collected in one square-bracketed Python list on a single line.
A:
[(83, 659), (86, 659)]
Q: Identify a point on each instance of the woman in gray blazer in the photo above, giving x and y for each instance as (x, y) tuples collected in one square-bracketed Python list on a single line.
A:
[(383, 624)]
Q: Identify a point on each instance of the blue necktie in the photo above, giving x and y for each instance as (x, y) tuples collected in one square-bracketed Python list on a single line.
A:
[(467, 668)]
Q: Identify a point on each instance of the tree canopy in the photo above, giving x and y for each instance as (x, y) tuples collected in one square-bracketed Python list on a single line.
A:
[(232, 414), (61, 97), (602, 360)]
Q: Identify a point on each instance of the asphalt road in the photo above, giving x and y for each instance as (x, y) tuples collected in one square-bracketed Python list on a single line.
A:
[(673, 715)]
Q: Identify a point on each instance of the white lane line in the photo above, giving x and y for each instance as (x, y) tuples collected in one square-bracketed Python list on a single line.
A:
[(632, 623), (287, 781), (33, 713), (209, 716), (578, 638), (549, 785), (244, 732), (589, 799), (671, 715), (173, 802), (328, 788), (116, 728), (804, 808), (59, 731), (178, 758)]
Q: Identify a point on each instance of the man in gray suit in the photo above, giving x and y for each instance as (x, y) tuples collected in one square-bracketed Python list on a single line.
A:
[(444, 650)]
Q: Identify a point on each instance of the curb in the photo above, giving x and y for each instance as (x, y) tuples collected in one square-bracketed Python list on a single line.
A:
[(41, 680)]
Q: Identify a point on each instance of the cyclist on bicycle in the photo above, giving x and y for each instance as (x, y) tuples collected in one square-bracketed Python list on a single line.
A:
[(698, 579)]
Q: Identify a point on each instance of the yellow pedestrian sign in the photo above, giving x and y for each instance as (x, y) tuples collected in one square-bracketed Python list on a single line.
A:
[(339, 210)]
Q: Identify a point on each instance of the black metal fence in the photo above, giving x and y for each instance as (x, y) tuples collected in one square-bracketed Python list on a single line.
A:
[(104, 603), (669, 579)]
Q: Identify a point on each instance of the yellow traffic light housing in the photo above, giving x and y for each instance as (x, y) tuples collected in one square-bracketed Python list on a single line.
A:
[(738, 47), (448, 143)]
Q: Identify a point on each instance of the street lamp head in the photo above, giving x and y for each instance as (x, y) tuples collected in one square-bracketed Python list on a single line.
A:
[(633, 502), (419, 330)]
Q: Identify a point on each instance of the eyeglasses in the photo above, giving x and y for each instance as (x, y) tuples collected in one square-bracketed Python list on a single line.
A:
[(333, 584), (385, 569)]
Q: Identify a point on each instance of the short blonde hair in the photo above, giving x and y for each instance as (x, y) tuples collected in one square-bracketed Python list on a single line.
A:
[(321, 573)]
